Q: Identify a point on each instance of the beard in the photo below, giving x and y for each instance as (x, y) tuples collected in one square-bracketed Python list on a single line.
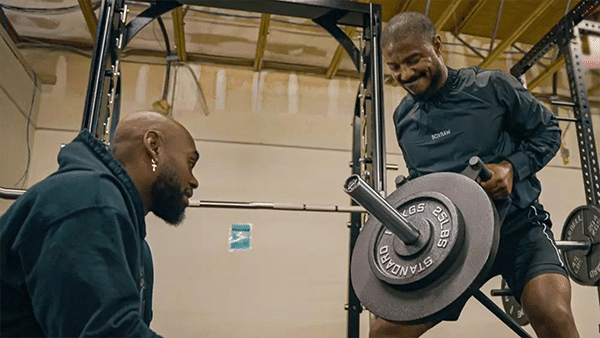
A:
[(167, 197), (434, 85)]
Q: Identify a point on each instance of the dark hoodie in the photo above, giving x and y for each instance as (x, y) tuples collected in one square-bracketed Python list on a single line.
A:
[(74, 262), (483, 113)]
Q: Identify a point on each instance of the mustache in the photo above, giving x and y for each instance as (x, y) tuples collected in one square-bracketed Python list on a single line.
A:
[(412, 79)]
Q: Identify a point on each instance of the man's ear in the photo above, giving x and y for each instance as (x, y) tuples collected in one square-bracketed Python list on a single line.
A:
[(437, 44), (152, 144)]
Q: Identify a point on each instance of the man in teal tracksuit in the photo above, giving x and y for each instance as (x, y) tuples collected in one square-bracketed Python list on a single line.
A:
[(74, 260), (450, 115)]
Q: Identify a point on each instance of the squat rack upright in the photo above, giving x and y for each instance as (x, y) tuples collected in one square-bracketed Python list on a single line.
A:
[(567, 35)]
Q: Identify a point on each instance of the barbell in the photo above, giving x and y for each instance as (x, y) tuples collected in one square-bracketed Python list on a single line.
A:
[(431, 243), (581, 255), (438, 244)]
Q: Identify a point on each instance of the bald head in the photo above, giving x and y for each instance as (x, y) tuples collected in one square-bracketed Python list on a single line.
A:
[(129, 135), (159, 155), (407, 24)]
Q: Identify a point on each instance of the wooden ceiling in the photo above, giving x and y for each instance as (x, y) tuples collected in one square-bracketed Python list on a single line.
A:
[(478, 17), (202, 34)]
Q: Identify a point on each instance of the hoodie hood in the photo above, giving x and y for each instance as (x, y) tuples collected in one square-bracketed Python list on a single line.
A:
[(87, 153)]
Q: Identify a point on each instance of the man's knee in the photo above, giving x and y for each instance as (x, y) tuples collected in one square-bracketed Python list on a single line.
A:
[(381, 328), (547, 298)]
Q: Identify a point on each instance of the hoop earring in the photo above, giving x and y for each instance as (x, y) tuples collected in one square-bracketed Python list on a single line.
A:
[(153, 165)]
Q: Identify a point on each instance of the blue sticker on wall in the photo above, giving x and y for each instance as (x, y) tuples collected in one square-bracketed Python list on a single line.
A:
[(240, 237)]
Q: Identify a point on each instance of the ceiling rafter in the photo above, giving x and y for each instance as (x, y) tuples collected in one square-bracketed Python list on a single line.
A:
[(90, 17), (508, 41), (543, 76), (9, 27), (406, 5), (336, 60), (470, 15), (593, 89), (450, 9), (178, 28), (261, 44)]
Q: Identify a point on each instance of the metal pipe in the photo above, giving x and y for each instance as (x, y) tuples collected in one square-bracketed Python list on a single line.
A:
[(377, 206), (274, 206), (498, 16), (562, 103), (427, 5), (7, 193), (568, 119), (10, 194), (377, 114), (388, 166), (501, 292), (457, 36), (506, 319)]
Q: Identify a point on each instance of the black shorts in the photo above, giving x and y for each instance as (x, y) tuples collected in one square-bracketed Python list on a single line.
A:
[(526, 250)]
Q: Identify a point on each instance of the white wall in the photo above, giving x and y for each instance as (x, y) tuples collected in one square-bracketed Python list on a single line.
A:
[(18, 102), (266, 140)]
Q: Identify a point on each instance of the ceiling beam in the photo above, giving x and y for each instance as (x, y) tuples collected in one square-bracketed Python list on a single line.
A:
[(150, 56), (8, 27), (593, 89), (179, 33), (450, 9), (553, 68), (90, 17), (474, 10), (405, 7), (521, 28), (263, 33), (336, 60)]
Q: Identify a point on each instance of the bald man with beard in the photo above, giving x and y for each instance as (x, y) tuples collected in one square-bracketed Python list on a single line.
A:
[(74, 260)]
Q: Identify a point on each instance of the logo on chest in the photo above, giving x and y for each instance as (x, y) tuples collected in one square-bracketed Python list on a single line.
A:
[(440, 134)]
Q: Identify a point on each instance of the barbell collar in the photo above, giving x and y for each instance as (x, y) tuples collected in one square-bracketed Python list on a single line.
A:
[(366, 196)]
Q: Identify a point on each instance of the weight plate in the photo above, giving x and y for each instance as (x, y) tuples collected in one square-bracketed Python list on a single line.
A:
[(513, 308), (441, 229), (583, 224), (467, 273)]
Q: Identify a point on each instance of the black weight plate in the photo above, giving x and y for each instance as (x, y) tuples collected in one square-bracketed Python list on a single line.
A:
[(583, 224), (513, 308), (442, 231), (466, 275)]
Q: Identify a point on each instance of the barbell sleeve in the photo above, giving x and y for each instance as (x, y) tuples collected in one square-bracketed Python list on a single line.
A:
[(574, 245), (477, 164), (366, 196), (10, 194)]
